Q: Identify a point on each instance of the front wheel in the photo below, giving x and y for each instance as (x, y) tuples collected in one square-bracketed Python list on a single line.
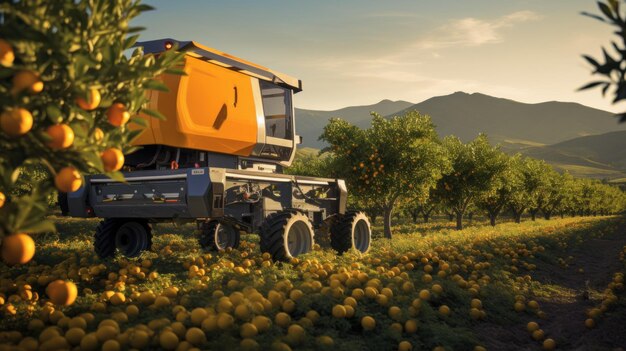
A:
[(286, 234), (351, 230), (130, 237), (217, 236)]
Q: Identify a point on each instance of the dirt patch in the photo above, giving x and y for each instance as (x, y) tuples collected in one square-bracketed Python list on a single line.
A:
[(568, 294)]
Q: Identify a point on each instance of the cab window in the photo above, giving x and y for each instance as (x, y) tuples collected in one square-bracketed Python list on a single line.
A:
[(277, 110)]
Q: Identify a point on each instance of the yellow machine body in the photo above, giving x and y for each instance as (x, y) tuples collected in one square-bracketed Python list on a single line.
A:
[(223, 105)]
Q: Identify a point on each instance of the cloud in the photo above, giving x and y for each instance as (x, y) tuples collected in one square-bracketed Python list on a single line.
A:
[(473, 31)]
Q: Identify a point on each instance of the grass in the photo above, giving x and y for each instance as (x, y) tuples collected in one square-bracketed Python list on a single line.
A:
[(493, 264)]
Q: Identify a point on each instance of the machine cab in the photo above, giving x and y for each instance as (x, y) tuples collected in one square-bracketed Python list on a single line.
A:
[(226, 107)]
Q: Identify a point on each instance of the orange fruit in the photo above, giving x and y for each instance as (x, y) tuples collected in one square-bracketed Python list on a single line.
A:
[(117, 114), (368, 323), (26, 80), (17, 249), (68, 180), (16, 122), (549, 344), (444, 310), (168, 340), (7, 56), (112, 159), (532, 326), (339, 311), (62, 292), (92, 102), (195, 336), (3, 198), (62, 136)]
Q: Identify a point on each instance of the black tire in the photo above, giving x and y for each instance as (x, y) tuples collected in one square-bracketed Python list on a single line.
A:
[(133, 237), (217, 236), (281, 227), (351, 230), (63, 203), (104, 240)]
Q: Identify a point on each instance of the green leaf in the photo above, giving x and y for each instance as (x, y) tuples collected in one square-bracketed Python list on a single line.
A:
[(144, 7), (139, 121), (117, 176), (156, 85), (591, 85), (54, 113), (176, 71), (592, 61), (606, 10), (154, 113), (130, 41), (44, 226)]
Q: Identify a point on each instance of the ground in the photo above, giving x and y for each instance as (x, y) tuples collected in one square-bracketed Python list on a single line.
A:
[(419, 288)]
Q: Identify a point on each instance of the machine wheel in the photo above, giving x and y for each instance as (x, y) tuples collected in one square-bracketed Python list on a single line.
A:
[(351, 230), (286, 234), (63, 203), (104, 243), (133, 237), (218, 236)]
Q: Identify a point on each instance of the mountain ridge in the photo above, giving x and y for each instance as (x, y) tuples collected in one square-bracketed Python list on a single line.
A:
[(569, 135)]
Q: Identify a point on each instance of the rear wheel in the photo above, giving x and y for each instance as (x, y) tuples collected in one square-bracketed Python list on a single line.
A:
[(218, 236), (351, 230), (104, 240), (129, 237), (133, 237), (286, 234)]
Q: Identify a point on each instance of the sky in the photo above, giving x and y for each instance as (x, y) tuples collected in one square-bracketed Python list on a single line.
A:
[(358, 52)]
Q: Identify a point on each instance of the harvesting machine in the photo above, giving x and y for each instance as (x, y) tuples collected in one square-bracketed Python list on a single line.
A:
[(217, 160)]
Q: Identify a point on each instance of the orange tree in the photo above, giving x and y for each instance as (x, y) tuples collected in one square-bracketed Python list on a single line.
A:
[(475, 167), (68, 86), (392, 161)]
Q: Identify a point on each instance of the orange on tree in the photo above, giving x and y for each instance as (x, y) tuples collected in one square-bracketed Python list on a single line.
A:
[(62, 136), (68, 180), (117, 114), (92, 102), (62, 292), (112, 159), (17, 249), (7, 56), (26, 80), (3, 198), (16, 122)]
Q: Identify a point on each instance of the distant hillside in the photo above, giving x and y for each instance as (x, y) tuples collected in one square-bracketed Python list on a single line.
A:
[(597, 156), (516, 125), (467, 115), (310, 123)]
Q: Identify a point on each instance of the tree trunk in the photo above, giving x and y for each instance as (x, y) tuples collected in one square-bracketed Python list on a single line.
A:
[(562, 215), (518, 217), (492, 219), (547, 215), (470, 216), (426, 217), (414, 215), (459, 220), (451, 216), (533, 214), (387, 221)]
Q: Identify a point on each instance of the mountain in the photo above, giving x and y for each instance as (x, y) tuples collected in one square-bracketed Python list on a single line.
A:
[(310, 123), (514, 124), (595, 156), (467, 115)]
